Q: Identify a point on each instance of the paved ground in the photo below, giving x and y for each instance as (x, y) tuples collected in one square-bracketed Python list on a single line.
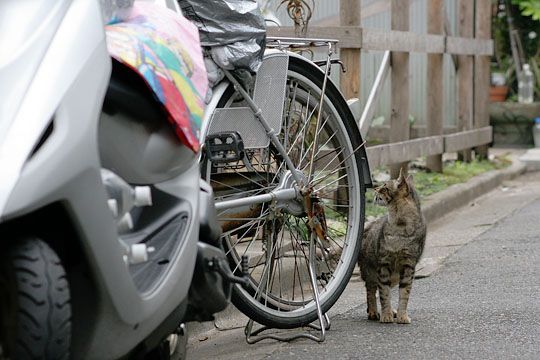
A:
[(480, 298)]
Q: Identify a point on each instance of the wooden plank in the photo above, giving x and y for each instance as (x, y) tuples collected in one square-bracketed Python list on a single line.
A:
[(381, 134), (399, 117), (482, 72), (376, 39), (348, 36), (467, 139), (349, 15), (464, 46), (404, 151), (434, 111), (350, 80), (465, 75)]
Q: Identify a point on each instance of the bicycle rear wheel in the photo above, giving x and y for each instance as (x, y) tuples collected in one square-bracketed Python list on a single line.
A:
[(276, 236)]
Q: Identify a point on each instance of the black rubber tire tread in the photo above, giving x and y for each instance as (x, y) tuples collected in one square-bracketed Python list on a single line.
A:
[(239, 300), (42, 322)]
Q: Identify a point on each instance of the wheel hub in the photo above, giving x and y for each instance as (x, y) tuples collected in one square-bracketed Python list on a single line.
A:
[(295, 206)]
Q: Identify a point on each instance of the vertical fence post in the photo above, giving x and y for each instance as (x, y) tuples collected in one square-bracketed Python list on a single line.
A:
[(481, 72), (349, 15), (465, 74), (435, 25), (399, 119)]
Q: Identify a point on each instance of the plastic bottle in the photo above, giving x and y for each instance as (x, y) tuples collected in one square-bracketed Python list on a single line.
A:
[(526, 85), (536, 132)]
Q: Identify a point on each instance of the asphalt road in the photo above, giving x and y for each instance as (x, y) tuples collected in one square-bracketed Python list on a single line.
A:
[(482, 303)]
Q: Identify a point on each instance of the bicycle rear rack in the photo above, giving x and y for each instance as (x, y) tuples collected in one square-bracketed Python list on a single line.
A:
[(292, 43)]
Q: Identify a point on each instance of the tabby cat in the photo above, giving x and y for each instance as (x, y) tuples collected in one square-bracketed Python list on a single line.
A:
[(391, 248)]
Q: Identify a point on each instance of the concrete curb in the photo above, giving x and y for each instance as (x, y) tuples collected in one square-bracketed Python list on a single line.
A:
[(434, 207)]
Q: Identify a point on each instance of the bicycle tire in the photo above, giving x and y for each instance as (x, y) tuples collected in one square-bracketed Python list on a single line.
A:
[(36, 304), (270, 313)]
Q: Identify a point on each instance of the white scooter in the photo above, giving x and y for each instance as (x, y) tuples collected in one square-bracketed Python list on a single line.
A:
[(108, 236)]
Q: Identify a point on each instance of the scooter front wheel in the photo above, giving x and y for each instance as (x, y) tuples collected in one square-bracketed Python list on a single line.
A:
[(35, 304)]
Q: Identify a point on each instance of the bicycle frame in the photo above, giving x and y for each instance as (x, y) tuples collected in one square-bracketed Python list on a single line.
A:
[(302, 187)]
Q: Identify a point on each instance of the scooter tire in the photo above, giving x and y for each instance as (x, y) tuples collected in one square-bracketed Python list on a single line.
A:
[(35, 303)]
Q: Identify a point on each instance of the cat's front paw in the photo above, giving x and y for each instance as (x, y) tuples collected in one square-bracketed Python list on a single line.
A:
[(403, 318), (387, 317), (373, 315)]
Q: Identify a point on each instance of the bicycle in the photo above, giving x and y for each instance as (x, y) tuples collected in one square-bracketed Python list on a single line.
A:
[(289, 188)]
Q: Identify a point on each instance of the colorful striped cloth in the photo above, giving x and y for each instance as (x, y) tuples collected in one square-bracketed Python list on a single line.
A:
[(163, 47)]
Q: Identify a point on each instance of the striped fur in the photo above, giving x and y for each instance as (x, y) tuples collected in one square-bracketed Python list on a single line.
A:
[(391, 248)]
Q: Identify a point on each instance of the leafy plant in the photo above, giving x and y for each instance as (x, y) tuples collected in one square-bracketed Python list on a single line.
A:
[(529, 8)]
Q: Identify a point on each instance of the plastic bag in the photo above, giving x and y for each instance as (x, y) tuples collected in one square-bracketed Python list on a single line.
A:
[(115, 10), (234, 31)]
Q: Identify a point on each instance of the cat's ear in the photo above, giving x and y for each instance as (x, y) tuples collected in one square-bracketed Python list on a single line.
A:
[(401, 179), (410, 179)]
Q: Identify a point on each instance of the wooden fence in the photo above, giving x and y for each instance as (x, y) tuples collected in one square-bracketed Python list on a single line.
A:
[(471, 49)]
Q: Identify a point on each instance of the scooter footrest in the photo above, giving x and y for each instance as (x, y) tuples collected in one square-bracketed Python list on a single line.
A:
[(224, 147)]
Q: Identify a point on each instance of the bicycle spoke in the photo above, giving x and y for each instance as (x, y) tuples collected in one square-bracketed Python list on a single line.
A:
[(335, 242), (325, 155), (343, 161), (322, 171), (296, 267), (338, 187), (289, 116), (310, 145), (230, 187), (249, 224), (308, 121), (280, 270), (321, 147), (254, 238), (330, 206), (298, 137)]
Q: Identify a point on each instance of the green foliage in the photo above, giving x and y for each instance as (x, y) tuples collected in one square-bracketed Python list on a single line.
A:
[(454, 173), (529, 8)]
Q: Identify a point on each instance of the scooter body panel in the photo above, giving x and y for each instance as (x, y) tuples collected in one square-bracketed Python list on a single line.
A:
[(67, 89), (24, 44)]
